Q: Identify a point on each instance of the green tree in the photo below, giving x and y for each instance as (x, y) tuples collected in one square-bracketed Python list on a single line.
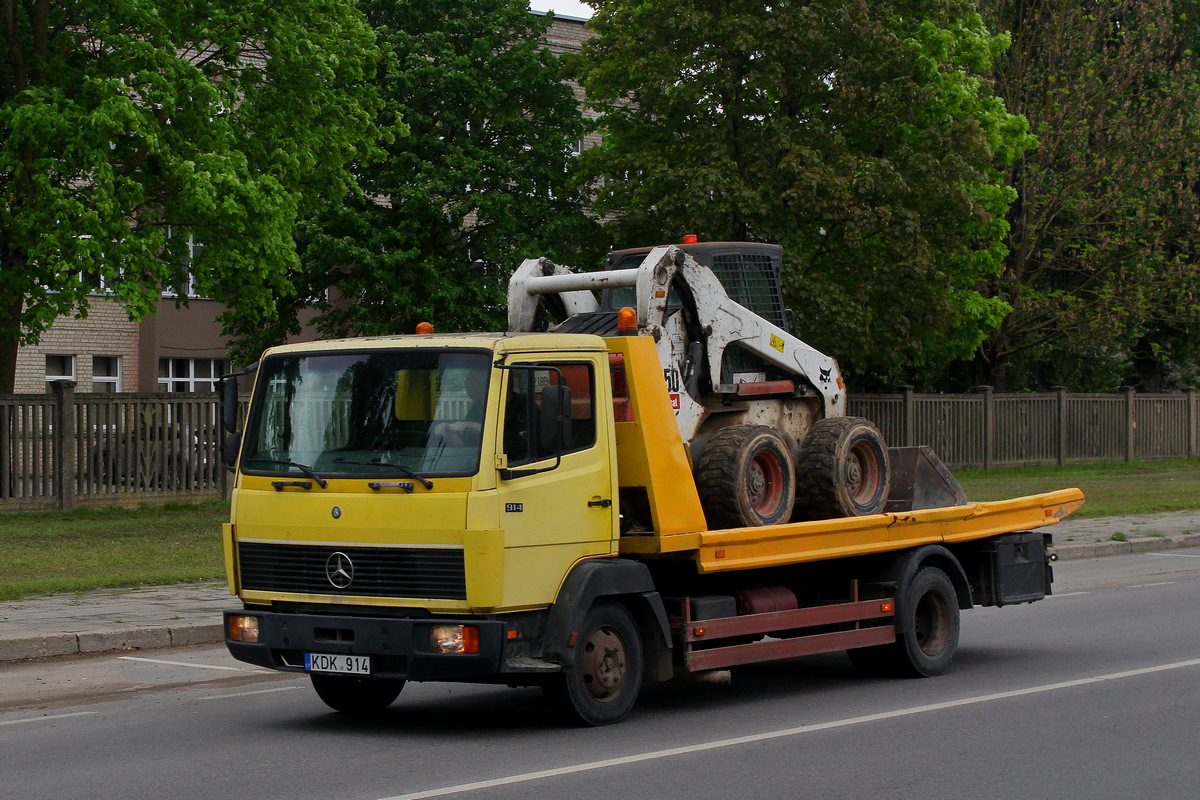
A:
[(860, 135), (1102, 267), (480, 182), (127, 127)]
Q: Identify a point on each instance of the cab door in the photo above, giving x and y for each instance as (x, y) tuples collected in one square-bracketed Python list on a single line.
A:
[(557, 504)]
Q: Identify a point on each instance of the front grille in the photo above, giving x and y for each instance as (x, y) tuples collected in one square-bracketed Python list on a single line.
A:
[(377, 572)]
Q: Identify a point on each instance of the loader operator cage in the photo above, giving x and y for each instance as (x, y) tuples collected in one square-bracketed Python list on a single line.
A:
[(749, 272), (369, 414)]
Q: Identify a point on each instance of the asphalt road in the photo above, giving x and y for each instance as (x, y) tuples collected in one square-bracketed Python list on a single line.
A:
[(1090, 694)]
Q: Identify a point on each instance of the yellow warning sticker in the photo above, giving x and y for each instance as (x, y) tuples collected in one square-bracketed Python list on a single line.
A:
[(776, 342)]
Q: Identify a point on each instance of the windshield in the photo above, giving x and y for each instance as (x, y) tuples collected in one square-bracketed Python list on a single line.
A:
[(386, 413)]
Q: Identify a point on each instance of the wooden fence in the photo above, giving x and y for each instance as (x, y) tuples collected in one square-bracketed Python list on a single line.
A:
[(118, 449), (123, 449), (986, 430)]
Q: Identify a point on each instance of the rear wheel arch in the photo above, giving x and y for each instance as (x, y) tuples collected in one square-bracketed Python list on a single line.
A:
[(906, 566)]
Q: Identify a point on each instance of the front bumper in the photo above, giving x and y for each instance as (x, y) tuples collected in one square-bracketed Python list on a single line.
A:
[(399, 648)]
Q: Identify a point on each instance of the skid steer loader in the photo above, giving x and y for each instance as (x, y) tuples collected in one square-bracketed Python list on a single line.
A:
[(762, 413)]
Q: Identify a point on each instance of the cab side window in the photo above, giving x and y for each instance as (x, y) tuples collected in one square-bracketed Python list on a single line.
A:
[(525, 440)]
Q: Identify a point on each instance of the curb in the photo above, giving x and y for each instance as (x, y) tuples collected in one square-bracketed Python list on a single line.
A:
[(1141, 544), (70, 644)]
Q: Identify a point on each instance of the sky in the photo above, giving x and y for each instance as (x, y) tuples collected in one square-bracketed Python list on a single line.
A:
[(567, 8)]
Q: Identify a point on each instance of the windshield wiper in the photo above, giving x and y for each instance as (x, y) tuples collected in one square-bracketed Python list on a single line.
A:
[(304, 468), (428, 484)]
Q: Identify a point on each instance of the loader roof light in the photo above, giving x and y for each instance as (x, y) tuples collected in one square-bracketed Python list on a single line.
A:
[(424, 328), (626, 320), (690, 238)]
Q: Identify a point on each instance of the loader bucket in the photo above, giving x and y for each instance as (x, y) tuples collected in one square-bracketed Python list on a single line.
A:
[(920, 480)]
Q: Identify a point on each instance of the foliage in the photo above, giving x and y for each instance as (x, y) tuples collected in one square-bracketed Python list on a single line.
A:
[(126, 128), (860, 135), (1102, 263), (479, 182)]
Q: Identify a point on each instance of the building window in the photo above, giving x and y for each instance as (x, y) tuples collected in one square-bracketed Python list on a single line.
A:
[(191, 374), (106, 373), (59, 368), (188, 287)]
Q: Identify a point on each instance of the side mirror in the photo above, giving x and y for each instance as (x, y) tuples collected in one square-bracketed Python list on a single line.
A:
[(229, 450), (229, 402), (554, 422)]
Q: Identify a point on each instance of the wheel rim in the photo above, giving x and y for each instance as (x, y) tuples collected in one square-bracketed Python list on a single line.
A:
[(605, 664), (931, 623), (765, 483), (862, 473)]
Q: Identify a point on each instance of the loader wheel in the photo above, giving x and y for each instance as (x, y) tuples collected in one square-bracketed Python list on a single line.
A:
[(843, 470), (745, 478), (602, 682), (356, 696)]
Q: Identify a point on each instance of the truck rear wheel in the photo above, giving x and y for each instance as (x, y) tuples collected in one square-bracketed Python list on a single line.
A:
[(356, 695), (602, 682), (745, 478), (929, 640), (843, 470)]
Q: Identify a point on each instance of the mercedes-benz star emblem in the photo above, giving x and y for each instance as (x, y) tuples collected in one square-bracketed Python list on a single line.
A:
[(339, 569)]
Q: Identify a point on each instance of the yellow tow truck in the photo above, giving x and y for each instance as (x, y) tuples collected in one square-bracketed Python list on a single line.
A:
[(520, 508)]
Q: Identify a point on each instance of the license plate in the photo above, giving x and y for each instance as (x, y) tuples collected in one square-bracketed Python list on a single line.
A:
[(344, 665)]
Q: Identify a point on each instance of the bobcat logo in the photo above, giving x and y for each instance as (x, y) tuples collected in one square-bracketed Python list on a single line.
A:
[(825, 373)]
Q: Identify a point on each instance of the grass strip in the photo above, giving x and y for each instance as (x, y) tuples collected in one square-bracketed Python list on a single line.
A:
[(1146, 487), (96, 549)]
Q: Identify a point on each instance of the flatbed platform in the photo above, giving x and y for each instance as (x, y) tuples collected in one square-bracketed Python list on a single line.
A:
[(818, 540)]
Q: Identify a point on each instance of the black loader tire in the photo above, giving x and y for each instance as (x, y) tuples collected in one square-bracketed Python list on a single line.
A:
[(745, 478), (843, 470), (601, 683), (356, 696), (926, 645)]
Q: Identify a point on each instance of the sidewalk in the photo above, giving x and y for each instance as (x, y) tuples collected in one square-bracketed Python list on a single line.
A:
[(176, 616)]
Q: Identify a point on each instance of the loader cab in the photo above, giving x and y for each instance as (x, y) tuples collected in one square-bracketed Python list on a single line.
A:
[(749, 271)]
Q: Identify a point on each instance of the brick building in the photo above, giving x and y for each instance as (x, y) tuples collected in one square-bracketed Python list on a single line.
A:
[(174, 349)]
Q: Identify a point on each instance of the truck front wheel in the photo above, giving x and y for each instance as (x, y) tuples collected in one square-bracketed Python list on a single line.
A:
[(601, 683), (928, 638), (356, 695)]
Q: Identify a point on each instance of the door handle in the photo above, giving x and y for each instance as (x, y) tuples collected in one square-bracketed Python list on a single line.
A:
[(599, 503)]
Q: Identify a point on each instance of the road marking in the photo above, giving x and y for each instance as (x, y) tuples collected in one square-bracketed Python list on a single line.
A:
[(1174, 555), (1147, 585), (784, 733), (1068, 594), (47, 718), (180, 663), (247, 694)]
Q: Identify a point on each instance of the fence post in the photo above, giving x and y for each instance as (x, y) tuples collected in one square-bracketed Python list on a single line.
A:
[(909, 414), (1191, 421), (1062, 424), (1130, 424), (64, 444), (989, 424)]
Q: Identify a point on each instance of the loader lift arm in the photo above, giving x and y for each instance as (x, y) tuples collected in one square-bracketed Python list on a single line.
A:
[(539, 287)]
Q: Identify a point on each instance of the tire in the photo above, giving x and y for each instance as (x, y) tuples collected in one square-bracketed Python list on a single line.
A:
[(928, 644), (745, 478), (843, 470), (601, 684), (357, 696)]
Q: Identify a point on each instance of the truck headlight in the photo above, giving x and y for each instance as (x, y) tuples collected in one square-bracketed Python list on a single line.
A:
[(243, 628), (454, 639)]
